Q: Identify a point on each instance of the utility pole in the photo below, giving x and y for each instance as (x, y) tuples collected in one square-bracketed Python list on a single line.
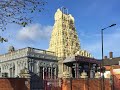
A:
[(103, 69)]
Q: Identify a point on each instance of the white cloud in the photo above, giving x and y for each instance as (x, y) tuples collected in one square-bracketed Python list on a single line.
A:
[(35, 35), (34, 32)]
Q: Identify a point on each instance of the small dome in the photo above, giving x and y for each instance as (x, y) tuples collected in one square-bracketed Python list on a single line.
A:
[(11, 49)]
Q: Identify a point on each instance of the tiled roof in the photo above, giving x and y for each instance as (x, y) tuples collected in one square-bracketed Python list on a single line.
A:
[(81, 59), (113, 61)]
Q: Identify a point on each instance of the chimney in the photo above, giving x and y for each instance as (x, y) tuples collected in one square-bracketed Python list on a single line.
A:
[(110, 54), (105, 57)]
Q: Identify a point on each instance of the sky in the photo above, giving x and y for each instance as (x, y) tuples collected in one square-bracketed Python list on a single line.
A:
[(90, 17)]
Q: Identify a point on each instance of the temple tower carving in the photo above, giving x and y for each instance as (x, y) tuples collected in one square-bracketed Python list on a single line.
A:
[(64, 39)]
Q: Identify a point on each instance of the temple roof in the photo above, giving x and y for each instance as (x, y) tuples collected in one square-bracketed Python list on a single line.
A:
[(69, 59), (79, 58)]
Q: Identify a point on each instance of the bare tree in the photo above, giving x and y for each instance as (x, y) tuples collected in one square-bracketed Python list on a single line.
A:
[(3, 39), (18, 11)]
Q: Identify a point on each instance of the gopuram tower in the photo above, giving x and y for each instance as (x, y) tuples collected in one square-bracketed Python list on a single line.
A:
[(64, 39)]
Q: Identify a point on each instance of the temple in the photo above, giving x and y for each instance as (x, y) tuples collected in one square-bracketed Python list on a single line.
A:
[(54, 62), (64, 39)]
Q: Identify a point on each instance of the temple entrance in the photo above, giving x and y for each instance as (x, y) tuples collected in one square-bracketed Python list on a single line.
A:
[(80, 65)]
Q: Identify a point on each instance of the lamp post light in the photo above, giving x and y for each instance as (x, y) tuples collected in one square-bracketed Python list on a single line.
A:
[(103, 69)]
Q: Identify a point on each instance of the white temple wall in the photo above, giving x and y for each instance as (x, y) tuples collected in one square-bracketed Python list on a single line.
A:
[(13, 68), (13, 62)]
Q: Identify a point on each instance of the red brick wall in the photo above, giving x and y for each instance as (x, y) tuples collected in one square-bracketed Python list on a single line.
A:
[(116, 82), (77, 84), (14, 84), (85, 84)]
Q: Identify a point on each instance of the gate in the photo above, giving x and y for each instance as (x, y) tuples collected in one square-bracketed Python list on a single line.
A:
[(53, 84), (36, 83)]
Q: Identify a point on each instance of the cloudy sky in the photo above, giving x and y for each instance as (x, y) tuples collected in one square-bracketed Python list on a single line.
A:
[(90, 17)]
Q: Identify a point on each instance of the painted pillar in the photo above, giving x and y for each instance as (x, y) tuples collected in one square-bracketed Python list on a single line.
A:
[(32, 65), (43, 73), (28, 66), (12, 71), (55, 73), (63, 67), (51, 72), (70, 70), (38, 69), (17, 72), (1, 70), (76, 70), (16, 69)]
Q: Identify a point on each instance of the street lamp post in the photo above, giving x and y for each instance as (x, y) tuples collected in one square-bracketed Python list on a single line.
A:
[(103, 88)]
